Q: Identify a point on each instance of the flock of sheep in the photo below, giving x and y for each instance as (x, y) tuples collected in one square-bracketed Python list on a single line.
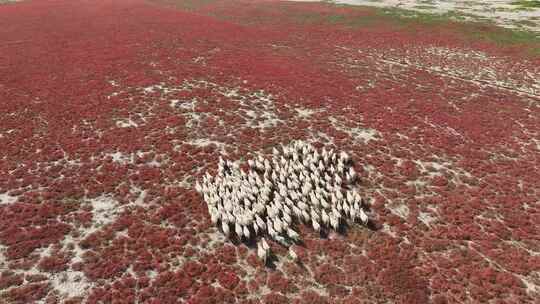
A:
[(298, 184)]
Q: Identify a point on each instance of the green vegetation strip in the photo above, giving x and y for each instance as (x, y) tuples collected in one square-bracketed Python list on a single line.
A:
[(527, 3), (470, 25)]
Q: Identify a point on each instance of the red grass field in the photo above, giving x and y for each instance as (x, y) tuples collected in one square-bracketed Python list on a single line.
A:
[(109, 111)]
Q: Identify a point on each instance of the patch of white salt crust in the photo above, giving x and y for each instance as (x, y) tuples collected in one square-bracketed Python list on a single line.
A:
[(356, 133), (125, 123), (6, 199), (104, 210), (70, 283), (201, 142)]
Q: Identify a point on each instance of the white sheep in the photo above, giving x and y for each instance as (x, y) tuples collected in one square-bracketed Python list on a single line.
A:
[(296, 183), (262, 253)]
